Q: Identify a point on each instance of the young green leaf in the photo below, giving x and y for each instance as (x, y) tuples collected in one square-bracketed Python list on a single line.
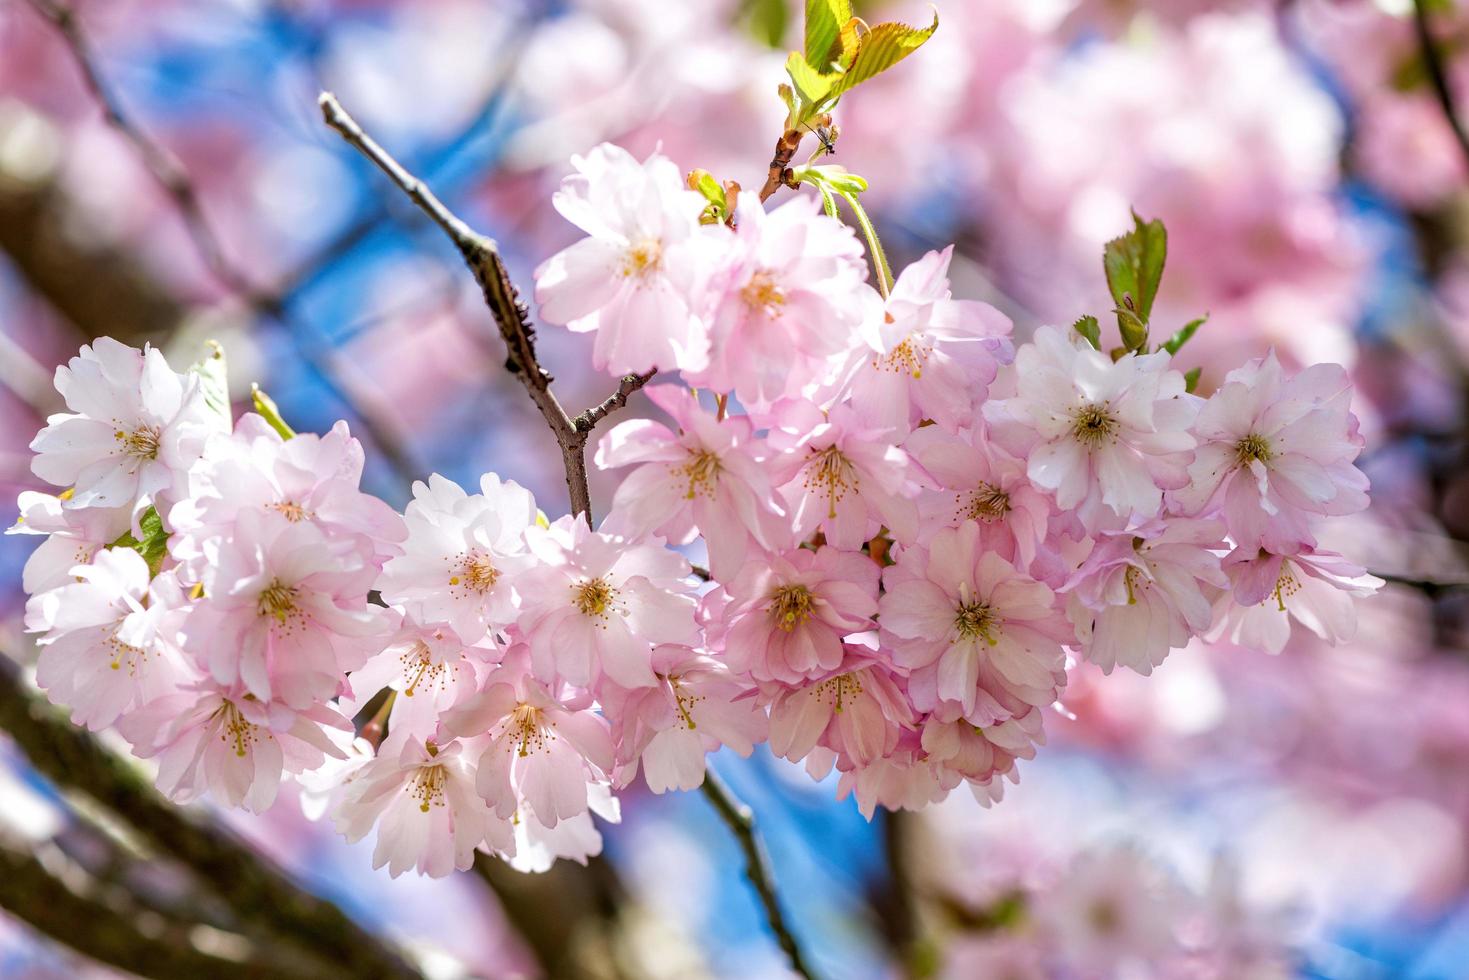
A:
[(1174, 343), (1191, 379), (1134, 267), (812, 87), (767, 20), (214, 383), (824, 21), (1088, 327), (267, 409), (882, 47), (154, 545), (1134, 331)]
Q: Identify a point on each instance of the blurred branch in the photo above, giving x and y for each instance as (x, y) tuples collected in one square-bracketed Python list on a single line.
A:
[(741, 821), (255, 888), (511, 315), (160, 163), (32, 895), (1433, 61)]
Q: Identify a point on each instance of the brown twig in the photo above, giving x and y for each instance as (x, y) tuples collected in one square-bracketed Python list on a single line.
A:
[(779, 174), (512, 317), (256, 890), (741, 821), (1436, 74)]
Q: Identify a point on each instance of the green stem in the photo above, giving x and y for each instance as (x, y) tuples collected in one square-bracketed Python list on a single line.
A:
[(874, 247)]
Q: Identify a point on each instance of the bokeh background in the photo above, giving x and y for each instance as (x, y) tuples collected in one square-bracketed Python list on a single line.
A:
[(1316, 198)]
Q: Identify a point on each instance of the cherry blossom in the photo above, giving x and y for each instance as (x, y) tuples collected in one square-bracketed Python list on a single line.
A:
[(136, 428), (788, 612), (985, 632), (462, 555), (928, 356), (1276, 452), (73, 537), (1315, 588), (1097, 432), (706, 478), (597, 603), (637, 279)]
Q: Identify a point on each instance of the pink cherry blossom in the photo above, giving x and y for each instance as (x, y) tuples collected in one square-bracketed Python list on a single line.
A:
[(901, 780), (696, 707), (223, 740), (136, 428), (422, 800), (986, 632), (1315, 588), (638, 279), (462, 555), (598, 603), (286, 611), (857, 712), (541, 748), (706, 478), (1096, 433), (789, 302), (841, 476), (109, 640), (538, 847), (73, 537), (789, 612), (1143, 592), (1116, 911), (978, 481), (928, 356), (1276, 452), (432, 670), (306, 478), (960, 750)]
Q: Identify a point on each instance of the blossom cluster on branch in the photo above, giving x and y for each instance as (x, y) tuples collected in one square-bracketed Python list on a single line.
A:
[(913, 527)]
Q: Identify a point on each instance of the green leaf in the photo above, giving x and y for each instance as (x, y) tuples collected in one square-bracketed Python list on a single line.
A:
[(1088, 327), (214, 383), (154, 545), (882, 47), (1177, 341), (1191, 379), (812, 87), (1134, 267), (767, 20), (266, 407), (824, 20), (1134, 331)]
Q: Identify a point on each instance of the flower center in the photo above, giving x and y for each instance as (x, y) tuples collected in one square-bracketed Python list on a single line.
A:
[(906, 358), (124, 653), (685, 699), (1133, 579), (235, 729), (702, 470), (830, 473), (1251, 448), (292, 511), (1104, 917), (988, 503), (763, 294), (642, 258), (840, 690), (140, 443), (976, 620), (419, 667), (428, 786), (526, 730), (277, 600), (474, 572), (1285, 586), (594, 597), (791, 605), (1093, 425)]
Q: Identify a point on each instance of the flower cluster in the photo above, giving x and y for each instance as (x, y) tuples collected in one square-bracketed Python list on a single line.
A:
[(912, 529)]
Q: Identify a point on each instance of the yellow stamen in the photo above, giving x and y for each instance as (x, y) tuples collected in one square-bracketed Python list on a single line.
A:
[(1093, 425), (791, 605), (763, 294)]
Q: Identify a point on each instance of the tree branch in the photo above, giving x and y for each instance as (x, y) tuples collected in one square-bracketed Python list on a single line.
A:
[(511, 315), (1436, 74), (255, 888), (32, 895), (779, 174), (741, 821)]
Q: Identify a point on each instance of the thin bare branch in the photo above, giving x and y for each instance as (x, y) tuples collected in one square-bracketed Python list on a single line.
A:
[(1433, 61), (741, 821), (256, 889), (512, 317)]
